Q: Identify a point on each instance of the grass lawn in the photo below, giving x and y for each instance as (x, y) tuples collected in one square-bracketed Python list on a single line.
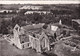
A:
[(60, 49), (8, 50), (65, 50)]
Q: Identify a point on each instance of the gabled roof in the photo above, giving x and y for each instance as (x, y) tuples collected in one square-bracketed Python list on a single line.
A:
[(54, 28), (16, 26), (76, 20)]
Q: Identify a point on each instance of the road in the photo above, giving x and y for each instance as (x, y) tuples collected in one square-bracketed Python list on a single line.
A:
[(8, 50)]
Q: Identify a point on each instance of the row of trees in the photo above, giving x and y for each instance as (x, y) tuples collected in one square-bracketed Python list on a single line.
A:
[(33, 18), (39, 18), (4, 27)]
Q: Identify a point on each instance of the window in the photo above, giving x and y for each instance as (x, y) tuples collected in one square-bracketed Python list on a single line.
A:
[(16, 28), (23, 46)]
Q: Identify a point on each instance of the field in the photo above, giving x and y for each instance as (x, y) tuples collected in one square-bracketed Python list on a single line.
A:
[(66, 48), (61, 49), (8, 50)]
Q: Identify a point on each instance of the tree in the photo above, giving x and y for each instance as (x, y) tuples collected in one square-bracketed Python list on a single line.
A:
[(75, 25), (21, 12), (4, 29)]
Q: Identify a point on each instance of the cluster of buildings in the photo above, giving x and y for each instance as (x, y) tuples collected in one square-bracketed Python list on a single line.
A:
[(2, 11), (36, 36), (34, 9), (30, 9), (40, 12), (8, 11)]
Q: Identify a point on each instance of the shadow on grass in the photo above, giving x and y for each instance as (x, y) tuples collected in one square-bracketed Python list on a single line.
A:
[(49, 54), (21, 55)]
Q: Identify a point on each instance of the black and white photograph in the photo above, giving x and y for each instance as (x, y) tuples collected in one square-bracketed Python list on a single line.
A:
[(39, 27)]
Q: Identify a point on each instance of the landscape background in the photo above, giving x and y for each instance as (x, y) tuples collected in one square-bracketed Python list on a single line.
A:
[(64, 12)]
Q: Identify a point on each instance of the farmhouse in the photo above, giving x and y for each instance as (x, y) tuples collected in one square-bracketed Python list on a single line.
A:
[(40, 12), (76, 20), (2, 11)]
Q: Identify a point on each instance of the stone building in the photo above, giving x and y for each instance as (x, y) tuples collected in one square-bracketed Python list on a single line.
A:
[(34, 36)]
